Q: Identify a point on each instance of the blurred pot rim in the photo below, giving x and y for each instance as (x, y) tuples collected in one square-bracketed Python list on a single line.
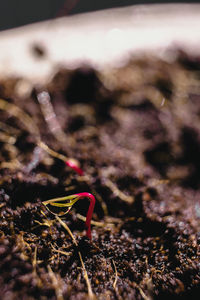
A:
[(101, 39)]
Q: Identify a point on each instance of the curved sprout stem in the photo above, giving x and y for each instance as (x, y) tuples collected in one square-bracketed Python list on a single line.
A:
[(89, 212)]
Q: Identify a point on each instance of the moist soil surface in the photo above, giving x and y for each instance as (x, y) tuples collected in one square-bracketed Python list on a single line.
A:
[(136, 133)]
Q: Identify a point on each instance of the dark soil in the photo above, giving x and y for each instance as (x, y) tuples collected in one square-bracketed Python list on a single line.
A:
[(136, 133)]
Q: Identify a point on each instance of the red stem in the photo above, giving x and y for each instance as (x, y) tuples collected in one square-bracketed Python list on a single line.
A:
[(89, 212), (72, 165)]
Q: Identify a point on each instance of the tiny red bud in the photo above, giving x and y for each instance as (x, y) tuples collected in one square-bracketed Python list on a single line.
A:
[(74, 165)]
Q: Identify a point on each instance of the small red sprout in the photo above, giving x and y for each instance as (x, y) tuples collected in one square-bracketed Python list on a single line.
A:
[(73, 164), (69, 201)]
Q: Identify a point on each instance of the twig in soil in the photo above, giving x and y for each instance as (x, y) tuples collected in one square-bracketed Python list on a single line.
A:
[(43, 175), (7, 138), (64, 225), (21, 115), (116, 275), (33, 129), (55, 283), (13, 164), (34, 161), (11, 151), (50, 116), (9, 129), (35, 259), (101, 201), (95, 223), (46, 223), (69, 202), (90, 292), (34, 263), (118, 193), (23, 246), (115, 281), (61, 251), (144, 296)]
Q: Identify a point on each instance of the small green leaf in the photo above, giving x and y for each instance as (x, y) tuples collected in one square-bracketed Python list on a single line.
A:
[(52, 204)]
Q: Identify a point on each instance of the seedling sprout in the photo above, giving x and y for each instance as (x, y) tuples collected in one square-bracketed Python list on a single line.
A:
[(61, 206)]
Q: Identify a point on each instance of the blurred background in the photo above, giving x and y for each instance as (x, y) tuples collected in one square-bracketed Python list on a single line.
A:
[(15, 13)]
